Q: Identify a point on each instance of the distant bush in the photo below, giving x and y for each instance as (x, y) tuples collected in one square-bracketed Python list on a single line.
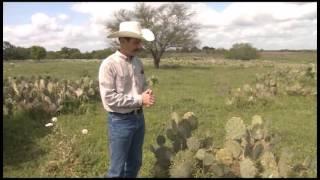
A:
[(242, 51), (37, 52)]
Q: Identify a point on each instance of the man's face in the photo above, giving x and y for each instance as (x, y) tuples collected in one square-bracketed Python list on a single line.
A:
[(132, 45)]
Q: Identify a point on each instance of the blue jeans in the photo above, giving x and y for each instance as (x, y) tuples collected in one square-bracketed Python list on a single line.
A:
[(126, 135)]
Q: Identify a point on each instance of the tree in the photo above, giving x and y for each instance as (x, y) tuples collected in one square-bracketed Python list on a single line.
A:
[(243, 51), (169, 22), (64, 53), (74, 53), (7, 45), (52, 55), (22, 53), (15, 53), (8, 50), (208, 49), (86, 55), (69, 53), (101, 54), (195, 49), (184, 49), (37, 52), (205, 49)]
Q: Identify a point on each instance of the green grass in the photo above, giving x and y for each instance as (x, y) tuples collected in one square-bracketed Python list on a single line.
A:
[(67, 69), (290, 57), (28, 146), (276, 56)]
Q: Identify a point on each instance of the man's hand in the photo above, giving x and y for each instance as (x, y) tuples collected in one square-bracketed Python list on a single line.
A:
[(149, 91), (148, 98)]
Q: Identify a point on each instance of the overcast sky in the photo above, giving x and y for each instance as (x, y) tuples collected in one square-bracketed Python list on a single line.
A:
[(266, 25)]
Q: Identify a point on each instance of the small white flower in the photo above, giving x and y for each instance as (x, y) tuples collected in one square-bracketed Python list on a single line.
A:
[(54, 119), (84, 131), (49, 124)]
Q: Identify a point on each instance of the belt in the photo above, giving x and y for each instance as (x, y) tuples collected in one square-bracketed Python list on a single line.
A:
[(136, 111)]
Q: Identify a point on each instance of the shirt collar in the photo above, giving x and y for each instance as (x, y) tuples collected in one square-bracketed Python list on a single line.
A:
[(122, 56)]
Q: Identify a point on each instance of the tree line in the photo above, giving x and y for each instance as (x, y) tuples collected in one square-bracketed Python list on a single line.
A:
[(12, 52), (171, 23)]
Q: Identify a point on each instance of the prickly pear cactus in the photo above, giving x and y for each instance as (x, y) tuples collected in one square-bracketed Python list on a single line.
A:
[(193, 143), (171, 134), (247, 168), (164, 154), (235, 128), (200, 154), (234, 147), (284, 163), (182, 164), (257, 151), (191, 119), (184, 129), (47, 96), (179, 144), (206, 142), (269, 165), (208, 159), (224, 156), (256, 120), (172, 130), (246, 152), (159, 171), (175, 116), (217, 169), (257, 133), (161, 140)]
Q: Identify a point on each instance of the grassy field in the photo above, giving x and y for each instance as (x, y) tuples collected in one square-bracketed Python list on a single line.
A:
[(30, 148), (290, 57)]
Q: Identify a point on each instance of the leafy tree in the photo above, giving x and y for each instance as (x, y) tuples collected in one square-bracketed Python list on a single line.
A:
[(37, 52), (8, 50), (169, 22), (243, 51)]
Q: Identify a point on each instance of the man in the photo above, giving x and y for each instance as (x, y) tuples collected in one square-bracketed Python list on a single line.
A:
[(123, 90)]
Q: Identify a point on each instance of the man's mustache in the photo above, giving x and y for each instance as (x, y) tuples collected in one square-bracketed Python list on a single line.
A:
[(137, 50)]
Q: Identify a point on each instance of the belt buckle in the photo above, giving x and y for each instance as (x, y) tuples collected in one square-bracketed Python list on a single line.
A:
[(135, 112)]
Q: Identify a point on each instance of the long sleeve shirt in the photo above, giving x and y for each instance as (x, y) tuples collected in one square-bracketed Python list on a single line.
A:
[(121, 83)]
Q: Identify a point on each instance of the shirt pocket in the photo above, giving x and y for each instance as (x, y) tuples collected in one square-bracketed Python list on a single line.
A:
[(120, 83), (140, 78)]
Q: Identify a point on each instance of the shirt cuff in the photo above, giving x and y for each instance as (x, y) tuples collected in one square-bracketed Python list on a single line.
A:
[(139, 99)]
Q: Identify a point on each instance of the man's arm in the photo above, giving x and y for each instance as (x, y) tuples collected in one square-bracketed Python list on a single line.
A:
[(107, 78)]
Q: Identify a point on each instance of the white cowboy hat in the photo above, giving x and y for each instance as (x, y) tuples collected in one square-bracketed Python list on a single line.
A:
[(133, 29)]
